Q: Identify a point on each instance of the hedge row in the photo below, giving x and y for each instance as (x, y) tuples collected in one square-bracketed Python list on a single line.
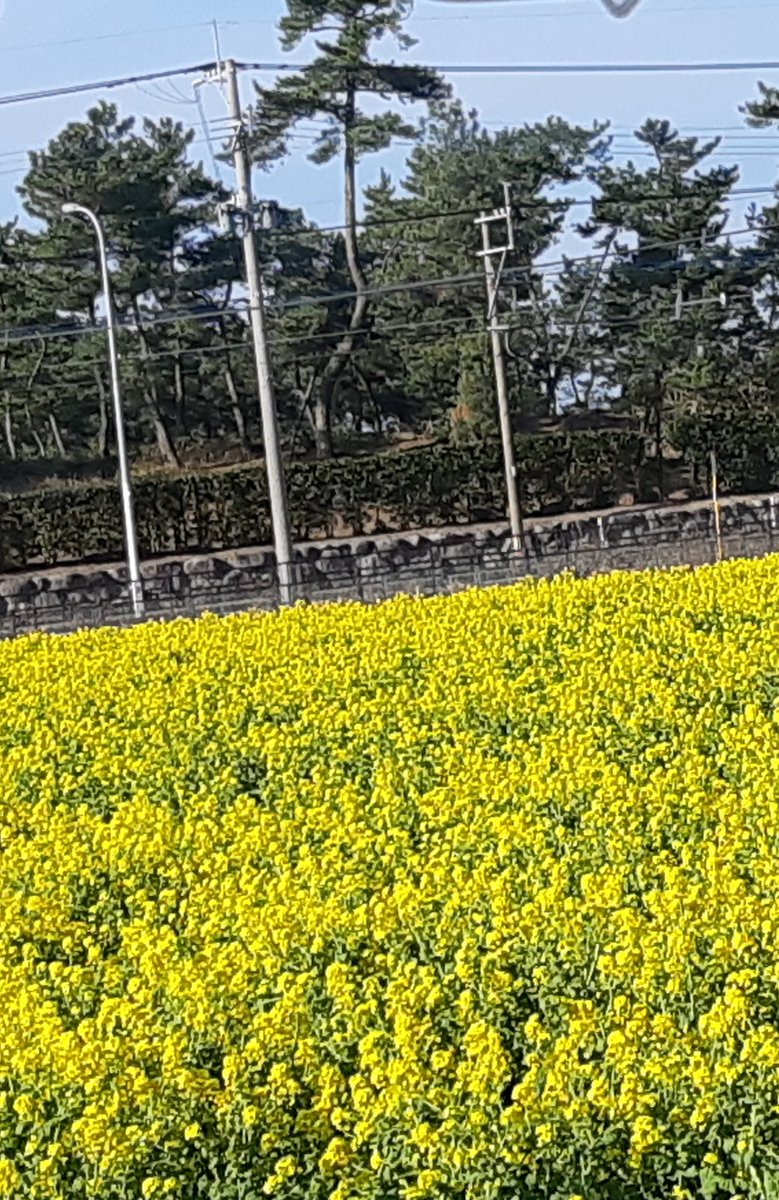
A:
[(746, 443), (438, 485)]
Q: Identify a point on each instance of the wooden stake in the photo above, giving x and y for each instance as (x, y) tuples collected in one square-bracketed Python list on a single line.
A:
[(715, 502)]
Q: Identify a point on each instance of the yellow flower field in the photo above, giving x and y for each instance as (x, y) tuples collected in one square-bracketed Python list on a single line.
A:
[(474, 897)]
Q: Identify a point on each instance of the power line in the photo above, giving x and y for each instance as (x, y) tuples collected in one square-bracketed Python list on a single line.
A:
[(215, 167), (50, 332), (472, 278), (563, 202), (275, 340), (15, 336), (75, 89), (453, 326), (220, 312), (24, 167), (314, 124), (80, 379), (562, 11), (647, 68), (446, 69), (562, 8), (100, 85), (584, 12), (104, 37), (559, 203), (152, 356)]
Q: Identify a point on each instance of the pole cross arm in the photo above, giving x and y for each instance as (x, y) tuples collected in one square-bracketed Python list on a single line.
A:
[(499, 216)]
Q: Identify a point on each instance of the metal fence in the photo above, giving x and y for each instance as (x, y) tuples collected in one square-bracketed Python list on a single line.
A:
[(348, 577)]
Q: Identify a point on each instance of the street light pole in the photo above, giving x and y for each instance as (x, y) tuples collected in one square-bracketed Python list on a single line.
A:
[(125, 484)]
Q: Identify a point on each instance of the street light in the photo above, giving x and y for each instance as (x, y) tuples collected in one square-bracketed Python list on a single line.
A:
[(125, 484)]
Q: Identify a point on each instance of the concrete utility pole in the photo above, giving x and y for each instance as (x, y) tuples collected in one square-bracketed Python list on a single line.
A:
[(277, 491), (488, 251), (125, 481)]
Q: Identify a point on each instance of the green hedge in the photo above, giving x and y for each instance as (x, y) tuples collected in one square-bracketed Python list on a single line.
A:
[(214, 510), (744, 437)]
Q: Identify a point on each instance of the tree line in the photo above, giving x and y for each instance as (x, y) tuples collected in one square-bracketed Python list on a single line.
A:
[(667, 320)]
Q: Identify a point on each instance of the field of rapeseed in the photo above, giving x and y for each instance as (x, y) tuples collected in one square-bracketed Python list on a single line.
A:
[(474, 897)]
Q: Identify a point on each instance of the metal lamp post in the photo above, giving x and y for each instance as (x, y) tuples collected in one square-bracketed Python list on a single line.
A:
[(125, 484)]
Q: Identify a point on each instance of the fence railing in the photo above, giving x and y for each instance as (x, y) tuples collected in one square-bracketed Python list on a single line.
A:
[(433, 572)]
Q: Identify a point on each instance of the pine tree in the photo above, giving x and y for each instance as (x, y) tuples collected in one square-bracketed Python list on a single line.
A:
[(332, 88), (425, 231), (156, 208), (665, 226)]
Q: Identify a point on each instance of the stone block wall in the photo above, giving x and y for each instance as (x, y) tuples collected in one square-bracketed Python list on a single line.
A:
[(371, 568)]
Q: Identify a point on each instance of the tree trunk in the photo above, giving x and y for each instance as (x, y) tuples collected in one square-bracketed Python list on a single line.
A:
[(551, 393), (34, 432), (235, 408), (103, 419), (56, 433), (102, 415), (320, 425), (8, 427), (238, 415), (181, 393), (658, 432), (305, 409), (590, 387), (343, 351), (377, 414), (165, 442), (32, 379)]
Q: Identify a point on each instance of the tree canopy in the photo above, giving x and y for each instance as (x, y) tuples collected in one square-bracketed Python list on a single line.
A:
[(627, 295)]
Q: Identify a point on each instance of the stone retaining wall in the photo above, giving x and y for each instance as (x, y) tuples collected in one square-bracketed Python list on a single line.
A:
[(430, 560)]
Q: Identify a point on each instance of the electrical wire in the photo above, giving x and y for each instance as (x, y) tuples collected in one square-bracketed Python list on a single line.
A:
[(513, 272), (75, 89), (215, 166), (543, 203), (445, 69), (461, 282), (238, 309), (561, 203), (103, 37), (562, 11), (584, 12), (561, 8), (646, 68), (431, 335)]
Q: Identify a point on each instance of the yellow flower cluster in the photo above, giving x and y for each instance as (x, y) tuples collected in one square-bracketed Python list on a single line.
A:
[(473, 897)]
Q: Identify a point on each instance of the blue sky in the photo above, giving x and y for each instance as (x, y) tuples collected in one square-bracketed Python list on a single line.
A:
[(44, 44)]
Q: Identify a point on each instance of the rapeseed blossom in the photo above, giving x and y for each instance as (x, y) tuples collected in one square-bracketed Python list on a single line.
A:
[(472, 897)]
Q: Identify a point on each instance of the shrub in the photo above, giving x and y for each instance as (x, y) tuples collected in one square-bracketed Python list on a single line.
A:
[(215, 510)]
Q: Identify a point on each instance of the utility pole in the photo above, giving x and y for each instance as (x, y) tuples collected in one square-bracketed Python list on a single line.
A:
[(488, 252), (244, 208)]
